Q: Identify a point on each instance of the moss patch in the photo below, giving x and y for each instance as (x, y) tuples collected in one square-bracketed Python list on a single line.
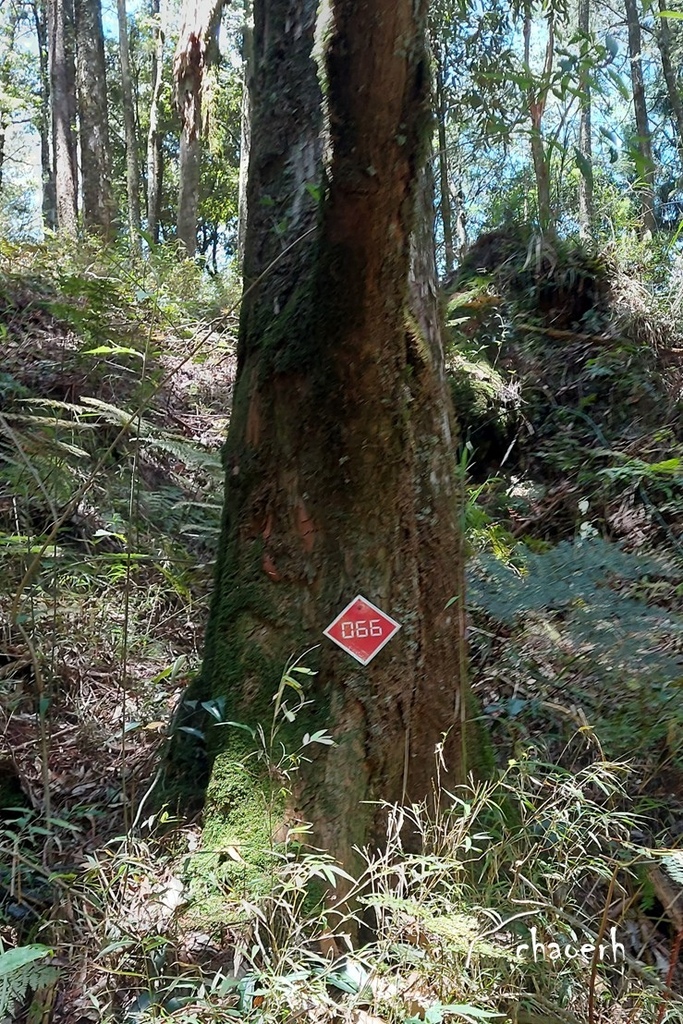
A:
[(243, 811)]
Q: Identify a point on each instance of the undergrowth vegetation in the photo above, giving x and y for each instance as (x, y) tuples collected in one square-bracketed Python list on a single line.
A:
[(548, 893)]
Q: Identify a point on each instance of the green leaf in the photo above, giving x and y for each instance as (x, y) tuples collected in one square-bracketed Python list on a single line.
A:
[(112, 350), (674, 15), (14, 959)]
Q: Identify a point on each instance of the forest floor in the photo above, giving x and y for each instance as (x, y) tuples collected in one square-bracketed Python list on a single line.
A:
[(115, 389)]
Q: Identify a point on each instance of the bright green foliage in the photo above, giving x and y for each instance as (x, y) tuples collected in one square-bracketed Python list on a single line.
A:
[(23, 970)]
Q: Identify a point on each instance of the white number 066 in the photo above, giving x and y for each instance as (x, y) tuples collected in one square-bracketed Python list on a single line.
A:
[(361, 628)]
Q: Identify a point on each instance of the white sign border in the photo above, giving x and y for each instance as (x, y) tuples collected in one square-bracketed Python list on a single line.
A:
[(342, 613)]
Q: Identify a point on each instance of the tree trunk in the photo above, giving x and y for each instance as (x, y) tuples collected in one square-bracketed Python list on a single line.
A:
[(93, 118), (537, 97), (341, 477), (444, 180), (10, 30), (245, 131), (585, 137), (670, 77), (197, 49), (154, 155), (646, 167), (49, 203), (63, 103), (132, 168)]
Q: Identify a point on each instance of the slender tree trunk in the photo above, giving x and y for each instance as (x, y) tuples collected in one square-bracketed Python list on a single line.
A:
[(132, 167), (197, 49), (670, 77), (537, 98), (63, 106), (585, 137), (444, 178), (93, 118), (49, 199), (646, 168), (340, 461), (154, 154), (245, 130), (10, 29)]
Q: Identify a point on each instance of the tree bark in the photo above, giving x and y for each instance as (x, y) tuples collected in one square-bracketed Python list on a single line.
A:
[(340, 470), (154, 154), (585, 136), (49, 201), (132, 166), (93, 119), (670, 77), (60, 29), (646, 168), (197, 49)]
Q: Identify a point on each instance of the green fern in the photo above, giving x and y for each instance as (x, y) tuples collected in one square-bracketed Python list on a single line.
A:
[(673, 864), (22, 970), (583, 583)]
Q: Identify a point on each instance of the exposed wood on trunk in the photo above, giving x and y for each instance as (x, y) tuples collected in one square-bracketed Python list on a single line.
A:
[(154, 152), (93, 120), (646, 168), (63, 108), (197, 49), (132, 165)]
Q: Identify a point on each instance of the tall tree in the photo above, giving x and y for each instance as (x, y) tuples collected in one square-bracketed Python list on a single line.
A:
[(645, 166), (132, 164), (9, 32), (154, 135), (340, 463), (245, 128), (197, 49), (93, 119), (585, 137), (444, 177), (60, 30), (49, 199), (670, 77), (537, 98)]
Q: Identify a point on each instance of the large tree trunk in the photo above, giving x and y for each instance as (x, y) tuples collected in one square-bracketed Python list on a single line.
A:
[(585, 137), (63, 106), (93, 119), (670, 77), (341, 476), (132, 166), (49, 203), (197, 49), (646, 168), (154, 155)]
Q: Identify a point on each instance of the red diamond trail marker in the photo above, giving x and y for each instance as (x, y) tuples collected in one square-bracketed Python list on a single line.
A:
[(362, 629)]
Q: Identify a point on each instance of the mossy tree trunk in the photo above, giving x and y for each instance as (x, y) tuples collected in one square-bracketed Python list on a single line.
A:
[(340, 470)]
